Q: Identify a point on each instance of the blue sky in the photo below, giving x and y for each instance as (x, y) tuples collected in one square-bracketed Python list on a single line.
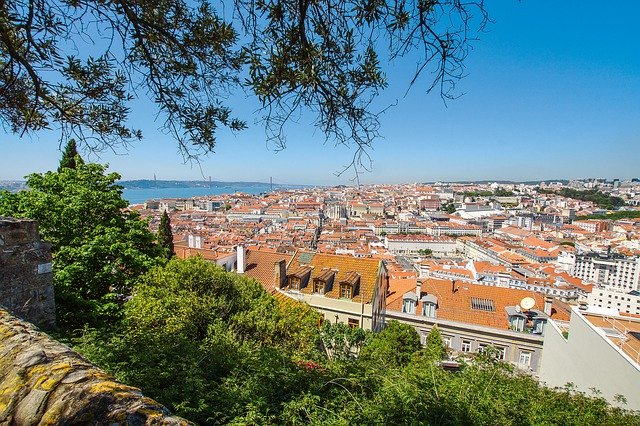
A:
[(552, 91)]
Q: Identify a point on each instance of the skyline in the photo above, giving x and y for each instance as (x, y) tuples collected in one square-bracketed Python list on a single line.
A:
[(545, 97)]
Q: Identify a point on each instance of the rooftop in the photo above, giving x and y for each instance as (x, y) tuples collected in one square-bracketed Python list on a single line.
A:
[(624, 332)]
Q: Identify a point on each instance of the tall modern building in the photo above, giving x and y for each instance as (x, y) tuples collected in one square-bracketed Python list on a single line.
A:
[(612, 271)]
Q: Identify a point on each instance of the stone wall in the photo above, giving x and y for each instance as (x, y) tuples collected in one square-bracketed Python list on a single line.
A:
[(43, 382), (26, 285)]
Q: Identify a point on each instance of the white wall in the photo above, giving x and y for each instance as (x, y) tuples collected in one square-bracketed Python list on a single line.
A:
[(589, 360)]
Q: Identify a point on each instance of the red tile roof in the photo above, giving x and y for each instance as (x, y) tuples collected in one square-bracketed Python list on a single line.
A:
[(260, 265)]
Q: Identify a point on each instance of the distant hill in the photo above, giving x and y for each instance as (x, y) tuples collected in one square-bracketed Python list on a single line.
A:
[(149, 184), (504, 182), (13, 185)]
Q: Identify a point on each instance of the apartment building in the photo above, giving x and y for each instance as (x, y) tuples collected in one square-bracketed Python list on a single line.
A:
[(341, 287), (611, 271), (611, 299), (472, 317), (411, 244)]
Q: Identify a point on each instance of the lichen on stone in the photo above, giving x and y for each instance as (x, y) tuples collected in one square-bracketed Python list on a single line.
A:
[(43, 382)]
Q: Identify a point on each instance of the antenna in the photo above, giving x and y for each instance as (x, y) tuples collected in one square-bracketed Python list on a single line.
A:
[(528, 303)]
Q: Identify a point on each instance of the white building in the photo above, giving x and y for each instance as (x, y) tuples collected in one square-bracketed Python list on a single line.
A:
[(610, 271), (611, 299), (336, 211), (566, 261), (596, 351), (406, 244)]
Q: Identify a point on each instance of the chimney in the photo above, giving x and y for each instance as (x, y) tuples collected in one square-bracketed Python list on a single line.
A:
[(241, 258), (418, 288), (548, 301), (280, 269)]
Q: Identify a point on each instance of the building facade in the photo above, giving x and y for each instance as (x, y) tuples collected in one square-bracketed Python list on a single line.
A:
[(612, 271), (595, 352)]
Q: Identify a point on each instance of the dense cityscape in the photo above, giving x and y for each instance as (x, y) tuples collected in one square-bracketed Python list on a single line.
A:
[(292, 212), (490, 264)]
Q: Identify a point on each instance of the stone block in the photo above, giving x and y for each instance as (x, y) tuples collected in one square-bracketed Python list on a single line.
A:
[(45, 382), (26, 279)]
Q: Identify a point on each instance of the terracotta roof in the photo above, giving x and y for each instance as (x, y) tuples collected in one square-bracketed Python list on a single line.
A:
[(361, 272), (488, 267), (183, 251), (261, 266)]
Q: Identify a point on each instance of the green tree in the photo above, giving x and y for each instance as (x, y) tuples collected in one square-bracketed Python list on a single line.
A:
[(341, 342), (392, 347), (435, 348), (216, 348), (449, 208), (207, 343), (601, 199), (98, 248), (165, 235), (632, 214), (58, 70), (501, 192), (70, 157)]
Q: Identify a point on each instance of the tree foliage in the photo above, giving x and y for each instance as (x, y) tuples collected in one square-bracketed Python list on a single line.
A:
[(165, 235), (449, 208), (341, 342), (631, 214), (597, 197), (98, 249), (209, 344), (392, 347), (216, 348), (435, 348), (70, 156), (76, 65)]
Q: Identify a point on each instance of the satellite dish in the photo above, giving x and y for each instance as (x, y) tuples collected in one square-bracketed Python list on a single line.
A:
[(528, 303)]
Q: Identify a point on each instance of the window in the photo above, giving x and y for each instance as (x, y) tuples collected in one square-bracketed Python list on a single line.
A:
[(517, 322), (448, 341), (482, 347), (429, 309), (409, 306), (502, 353), (538, 326), (294, 283), (466, 346), (525, 358), (353, 323), (482, 304), (318, 287), (345, 291)]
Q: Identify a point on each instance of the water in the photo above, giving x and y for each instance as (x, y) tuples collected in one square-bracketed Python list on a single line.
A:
[(138, 196)]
